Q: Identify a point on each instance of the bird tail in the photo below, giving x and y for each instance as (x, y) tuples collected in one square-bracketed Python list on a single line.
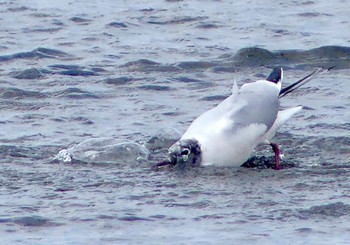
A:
[(302, 81), (282, 118)]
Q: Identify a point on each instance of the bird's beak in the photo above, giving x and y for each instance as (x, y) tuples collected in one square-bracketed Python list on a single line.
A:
[(164, 163), (173, 157)]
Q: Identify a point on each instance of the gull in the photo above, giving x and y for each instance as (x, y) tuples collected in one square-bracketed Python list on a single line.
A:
[(227, 134)]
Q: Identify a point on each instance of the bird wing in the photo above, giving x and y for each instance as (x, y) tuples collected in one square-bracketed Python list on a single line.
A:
[(261, 104), (254, 103)]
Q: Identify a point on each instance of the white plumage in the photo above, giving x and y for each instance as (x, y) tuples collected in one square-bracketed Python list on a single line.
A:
[(225, 138)]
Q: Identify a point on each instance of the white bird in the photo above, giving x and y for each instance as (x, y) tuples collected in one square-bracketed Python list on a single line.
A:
[(227, 134)]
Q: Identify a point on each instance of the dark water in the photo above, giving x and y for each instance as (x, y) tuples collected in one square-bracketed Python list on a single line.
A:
[(113, 83)]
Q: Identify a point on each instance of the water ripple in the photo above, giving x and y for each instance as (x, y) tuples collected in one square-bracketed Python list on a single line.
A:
[(334, 210), (32, 221), (38, 53)]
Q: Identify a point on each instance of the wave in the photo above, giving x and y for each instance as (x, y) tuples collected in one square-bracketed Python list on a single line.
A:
[(37, 53), (326, 56)]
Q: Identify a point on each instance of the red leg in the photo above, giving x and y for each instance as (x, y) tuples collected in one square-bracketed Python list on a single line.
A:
[(276, 150)]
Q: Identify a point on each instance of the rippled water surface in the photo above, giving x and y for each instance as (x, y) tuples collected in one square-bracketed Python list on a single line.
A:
[(93, 92)]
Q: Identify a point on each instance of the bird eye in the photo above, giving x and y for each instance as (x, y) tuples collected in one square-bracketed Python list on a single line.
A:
[(185, 152)]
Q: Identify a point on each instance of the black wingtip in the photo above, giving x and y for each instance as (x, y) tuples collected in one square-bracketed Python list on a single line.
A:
[(276, 75), (303, 81), (329, 68)]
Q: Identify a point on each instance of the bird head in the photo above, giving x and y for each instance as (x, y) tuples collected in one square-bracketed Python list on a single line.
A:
[(184, 153)]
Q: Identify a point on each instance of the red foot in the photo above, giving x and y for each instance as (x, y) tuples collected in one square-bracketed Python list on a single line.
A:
[(276, 150)]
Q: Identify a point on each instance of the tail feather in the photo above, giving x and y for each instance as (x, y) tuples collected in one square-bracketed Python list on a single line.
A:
[(282, 118)]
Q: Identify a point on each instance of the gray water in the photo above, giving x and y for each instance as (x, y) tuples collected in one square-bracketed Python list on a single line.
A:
[(113, 83)]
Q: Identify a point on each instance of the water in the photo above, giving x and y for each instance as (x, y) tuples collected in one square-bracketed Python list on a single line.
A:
[(115, 82)]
